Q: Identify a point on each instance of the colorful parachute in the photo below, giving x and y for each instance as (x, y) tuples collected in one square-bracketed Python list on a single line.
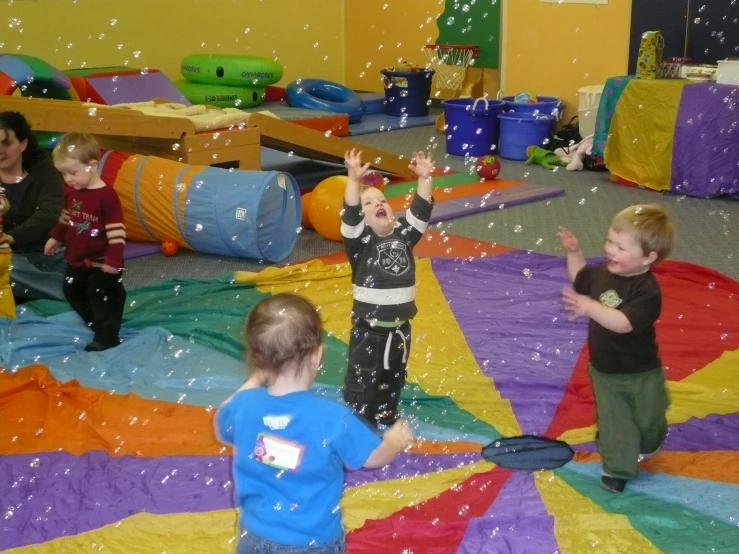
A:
[(115, 451)]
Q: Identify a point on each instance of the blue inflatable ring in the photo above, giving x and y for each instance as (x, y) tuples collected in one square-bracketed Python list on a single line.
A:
[(317, 94)]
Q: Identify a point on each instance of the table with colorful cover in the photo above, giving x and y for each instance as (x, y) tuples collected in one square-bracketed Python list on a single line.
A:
[(671, 135)]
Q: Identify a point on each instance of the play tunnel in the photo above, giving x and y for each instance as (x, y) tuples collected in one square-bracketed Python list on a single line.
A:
[(244, 214)]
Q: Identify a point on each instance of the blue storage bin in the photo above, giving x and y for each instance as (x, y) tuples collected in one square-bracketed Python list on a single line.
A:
[(471, 126), (411, 100), (518, 131)]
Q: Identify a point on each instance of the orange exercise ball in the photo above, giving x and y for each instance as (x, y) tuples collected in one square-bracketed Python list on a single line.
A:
[(327, 201), (305, 202)]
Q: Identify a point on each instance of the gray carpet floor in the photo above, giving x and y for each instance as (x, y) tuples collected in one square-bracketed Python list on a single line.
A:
[(708, 229)]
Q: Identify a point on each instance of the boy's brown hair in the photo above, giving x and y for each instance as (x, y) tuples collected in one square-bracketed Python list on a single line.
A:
[(652, 227), (77, 146), (282, 331)]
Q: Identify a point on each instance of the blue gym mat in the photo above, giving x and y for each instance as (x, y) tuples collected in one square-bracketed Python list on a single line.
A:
[(308, 173), (377, 123)]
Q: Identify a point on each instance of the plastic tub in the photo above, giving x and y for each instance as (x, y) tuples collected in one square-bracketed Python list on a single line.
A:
[(407, 93), (546, 105), (518, 131), (728, 72), (472, 126), (588, 108)]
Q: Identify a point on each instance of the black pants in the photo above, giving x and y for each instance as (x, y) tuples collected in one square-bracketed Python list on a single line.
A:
[(378, 357), (98, 298)]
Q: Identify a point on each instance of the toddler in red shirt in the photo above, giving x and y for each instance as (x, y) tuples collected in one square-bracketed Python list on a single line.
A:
[(91, 226)]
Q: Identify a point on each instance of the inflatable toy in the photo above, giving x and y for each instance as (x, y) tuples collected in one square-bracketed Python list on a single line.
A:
[(221, 96), (327, 201), (34, 77), (7, 84), (317, 94), (305, 202), (488, 167), (231, 70)]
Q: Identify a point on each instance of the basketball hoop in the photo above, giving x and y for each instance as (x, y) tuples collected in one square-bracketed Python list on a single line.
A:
[(450, 61)]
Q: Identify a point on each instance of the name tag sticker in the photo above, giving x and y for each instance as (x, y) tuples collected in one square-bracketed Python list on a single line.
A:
[(278, 452)]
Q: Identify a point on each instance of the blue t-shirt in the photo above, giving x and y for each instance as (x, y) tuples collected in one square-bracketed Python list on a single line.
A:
[(289, 458)]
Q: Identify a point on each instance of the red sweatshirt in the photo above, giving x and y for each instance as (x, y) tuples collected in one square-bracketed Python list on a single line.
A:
[(92, 226)]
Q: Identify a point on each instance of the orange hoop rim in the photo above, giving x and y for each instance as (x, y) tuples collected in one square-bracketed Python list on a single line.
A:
[(475, 49)]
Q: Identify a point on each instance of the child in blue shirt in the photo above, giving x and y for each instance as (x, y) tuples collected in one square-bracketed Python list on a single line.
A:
[(291, 445)]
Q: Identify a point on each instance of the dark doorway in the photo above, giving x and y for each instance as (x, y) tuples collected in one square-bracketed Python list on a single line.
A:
[(713, 30), (704, 30), (668, 16)]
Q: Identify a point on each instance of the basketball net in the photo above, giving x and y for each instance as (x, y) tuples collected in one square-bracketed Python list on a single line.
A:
[(450, 63)]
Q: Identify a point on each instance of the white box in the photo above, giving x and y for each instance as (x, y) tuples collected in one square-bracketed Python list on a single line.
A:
[(728, 72)]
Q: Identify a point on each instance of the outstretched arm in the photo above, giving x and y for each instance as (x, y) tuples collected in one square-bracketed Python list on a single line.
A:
[(423, 167), (394, 441), (355, 170), (575, 257)]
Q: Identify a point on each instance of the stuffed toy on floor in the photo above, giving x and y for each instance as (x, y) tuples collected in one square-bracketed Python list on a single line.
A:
[(7, 304), (573, 155), (545, 158)]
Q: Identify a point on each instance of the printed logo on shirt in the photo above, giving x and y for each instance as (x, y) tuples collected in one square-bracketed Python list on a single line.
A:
[(80, 220), (276, 422), (392, 257), (278, 452), (610, 299), (81, 227)]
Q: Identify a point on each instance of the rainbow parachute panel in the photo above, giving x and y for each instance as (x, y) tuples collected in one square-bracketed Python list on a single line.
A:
[(116, 450)]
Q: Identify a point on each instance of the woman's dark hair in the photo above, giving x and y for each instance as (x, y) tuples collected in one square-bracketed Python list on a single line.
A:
[(14, 121)]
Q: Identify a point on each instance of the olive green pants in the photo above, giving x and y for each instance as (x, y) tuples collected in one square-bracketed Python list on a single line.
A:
[(632, 418)]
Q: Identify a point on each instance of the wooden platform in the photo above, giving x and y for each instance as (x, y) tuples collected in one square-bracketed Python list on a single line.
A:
[(176, 138)]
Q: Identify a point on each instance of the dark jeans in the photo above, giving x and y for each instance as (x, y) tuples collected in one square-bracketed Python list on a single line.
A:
[(375, 376), (98, 298), (251, 544)]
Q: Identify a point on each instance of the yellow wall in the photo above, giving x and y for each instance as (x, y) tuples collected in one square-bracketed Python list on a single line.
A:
[(67, 34), (379, 33), (551, 49), (555, 49)]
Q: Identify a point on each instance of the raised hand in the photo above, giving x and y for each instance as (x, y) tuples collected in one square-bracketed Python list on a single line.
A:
[(353, 162), (423, 165), (570, 243)]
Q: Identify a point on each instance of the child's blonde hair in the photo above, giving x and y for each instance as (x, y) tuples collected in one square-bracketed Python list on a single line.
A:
[(282, 331), (652, 227), (364, 189), (77, 146)]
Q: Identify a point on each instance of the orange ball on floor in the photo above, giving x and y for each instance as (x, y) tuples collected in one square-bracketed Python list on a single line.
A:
[(169, 247)]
